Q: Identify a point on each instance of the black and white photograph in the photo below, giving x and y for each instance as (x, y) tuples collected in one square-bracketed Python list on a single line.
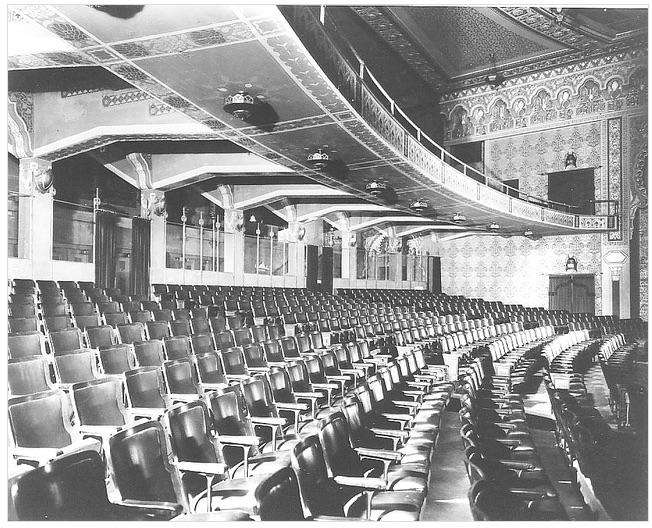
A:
[(327, 262)]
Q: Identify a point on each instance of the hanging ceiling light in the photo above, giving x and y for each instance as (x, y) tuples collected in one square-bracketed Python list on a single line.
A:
[(495, 78), (319, 160), (419, 206), (528, 233), (494, 226), (458, 218), (240, 105), (376, 187)]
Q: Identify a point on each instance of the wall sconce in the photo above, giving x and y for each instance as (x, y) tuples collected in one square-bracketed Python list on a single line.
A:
[(571, 263), (419, 206), (301, 232), (376, 187), (43, 181), (240, 105), (570, 162)]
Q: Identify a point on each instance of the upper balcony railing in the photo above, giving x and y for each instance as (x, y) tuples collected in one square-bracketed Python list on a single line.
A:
[(352, 59)]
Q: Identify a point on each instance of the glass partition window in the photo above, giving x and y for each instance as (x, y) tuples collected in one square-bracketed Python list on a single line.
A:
[(173, 245), (72, 238)]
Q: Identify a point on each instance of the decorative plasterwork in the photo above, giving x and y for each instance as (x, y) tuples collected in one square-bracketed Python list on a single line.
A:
[(143, 165), (615, 169), (48, 60), (121, 98), (538, 21), (639, 172), (610, 84), (19, 136), (24, 105)]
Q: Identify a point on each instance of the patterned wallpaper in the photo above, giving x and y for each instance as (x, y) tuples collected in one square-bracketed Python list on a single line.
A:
[(515, 270), (644, 263), (528, 157)]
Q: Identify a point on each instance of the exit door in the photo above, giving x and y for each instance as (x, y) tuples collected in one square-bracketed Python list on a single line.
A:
[(574, 293)]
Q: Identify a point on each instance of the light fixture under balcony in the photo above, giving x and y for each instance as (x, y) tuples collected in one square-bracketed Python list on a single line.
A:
[(319, 160), (528, 233), (419, 206), (240, 105), (458, 218), (376, 187), (494, 226)]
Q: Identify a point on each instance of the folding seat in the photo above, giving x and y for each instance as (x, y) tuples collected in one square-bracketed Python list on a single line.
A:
[(491, 502), (107, 307), (52, 493), (273, 352), (300, 406), (177, 347), (180, 314), (23, 324), (212, 484), (140, 316), (115, 360), (65, 341), (259, 333), (342, 459), (157, 329), (167, 304), (200, 326), (54, 309), (131, 333), (202, 343), (21, 285), (76, 296), (181, 327), (28, 375), (115, 319), (242, 336), (201, 312), (56, 322), (317, 375), (264, 414), (325, 495), (182, 381), (99, 408), (100, 336), (149, 353), (164, 314), (218, 324), (235, 321), (139, 465), (289, 348), (41, 429), (224, 340), (74, 368), (22, 310), (275, 331), (146, 395), (254, 357)]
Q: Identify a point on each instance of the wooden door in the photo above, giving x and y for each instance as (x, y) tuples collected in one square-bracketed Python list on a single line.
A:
[(574, 293)]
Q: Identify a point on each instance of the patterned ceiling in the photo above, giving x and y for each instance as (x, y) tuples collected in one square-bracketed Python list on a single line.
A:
[(455, 47)]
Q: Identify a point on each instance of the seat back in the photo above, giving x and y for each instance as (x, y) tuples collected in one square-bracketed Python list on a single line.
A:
[(24, 344), (76, 367), (116, 359), (139, 465), (28, 375), (258, 398), (254, 356), (40, 420), (177, 347), (224, 340), (157, 329), (340, 457), (273, 352), (190, 433), (131, 333), (312, 473), (66, 340), (278, 497), (200, 326), (100, 336), (149, 353), (99, 402), (115, 318), (181, 327), (23, 324), (209, 368), (52, 492), (179, 377), (289, 348), (202, 343), (145, 388), (234, 361)]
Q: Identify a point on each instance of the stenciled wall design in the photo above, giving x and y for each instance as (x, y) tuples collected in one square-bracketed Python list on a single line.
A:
[(515, 270), (529, 157)]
